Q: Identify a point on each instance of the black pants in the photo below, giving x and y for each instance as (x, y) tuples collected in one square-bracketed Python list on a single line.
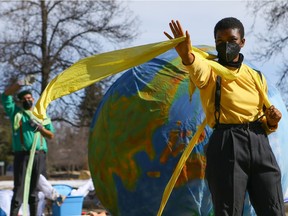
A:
[(20, 167), (240, 159)]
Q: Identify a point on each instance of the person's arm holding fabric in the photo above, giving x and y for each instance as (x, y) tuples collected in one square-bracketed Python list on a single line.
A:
[(271, 115), (12, 89), (7, 99), (200, 72), (10, 107), (184, 48), (44, 130)]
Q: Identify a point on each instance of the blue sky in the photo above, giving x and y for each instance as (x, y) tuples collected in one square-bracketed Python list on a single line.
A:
[(199, 18)]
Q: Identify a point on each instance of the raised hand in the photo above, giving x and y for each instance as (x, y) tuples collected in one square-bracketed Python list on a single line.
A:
[(184, 48), (28, 80)]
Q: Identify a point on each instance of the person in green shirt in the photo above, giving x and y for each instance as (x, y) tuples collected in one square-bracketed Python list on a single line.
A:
[(26, 129), (239, 156)]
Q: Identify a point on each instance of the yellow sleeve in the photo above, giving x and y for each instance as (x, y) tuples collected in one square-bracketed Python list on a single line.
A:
[(265, 125), (200, 72)]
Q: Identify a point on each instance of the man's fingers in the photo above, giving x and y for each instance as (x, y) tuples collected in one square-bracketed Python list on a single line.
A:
[(179, 28), (169, 36), (172, 27), (187, 35), (176, 28)]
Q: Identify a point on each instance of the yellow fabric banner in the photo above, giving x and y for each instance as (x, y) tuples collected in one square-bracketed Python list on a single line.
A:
[(95, 68), (169, 187)]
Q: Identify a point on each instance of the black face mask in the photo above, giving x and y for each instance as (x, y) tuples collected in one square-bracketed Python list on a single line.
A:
[(27, 104), (227, 52)]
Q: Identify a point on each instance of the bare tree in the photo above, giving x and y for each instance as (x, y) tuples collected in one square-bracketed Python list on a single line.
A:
[(5, 137), (68, 152), (91, 99), (273, 41), (45, 37)]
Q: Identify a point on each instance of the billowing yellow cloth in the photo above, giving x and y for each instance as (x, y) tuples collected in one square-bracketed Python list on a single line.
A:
[(95, 68)]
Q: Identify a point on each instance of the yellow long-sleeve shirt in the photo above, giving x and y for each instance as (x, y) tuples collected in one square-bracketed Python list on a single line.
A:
[(240, 99)]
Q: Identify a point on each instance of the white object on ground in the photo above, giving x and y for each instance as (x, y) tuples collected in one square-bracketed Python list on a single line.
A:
[(47, 189), (5, 200), (84, 189)]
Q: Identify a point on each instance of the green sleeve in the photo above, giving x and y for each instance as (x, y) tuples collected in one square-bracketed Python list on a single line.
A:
[(9, 105)]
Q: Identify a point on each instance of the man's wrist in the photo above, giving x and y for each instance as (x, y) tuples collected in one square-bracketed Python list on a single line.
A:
[(272, 126), (38, 128), (188, 60)]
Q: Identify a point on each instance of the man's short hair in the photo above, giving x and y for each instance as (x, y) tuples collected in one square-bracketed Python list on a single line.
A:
[(227, 23), (21, 94)]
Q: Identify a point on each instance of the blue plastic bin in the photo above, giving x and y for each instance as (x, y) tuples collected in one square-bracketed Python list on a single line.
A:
[(72, 205), (63, 189)]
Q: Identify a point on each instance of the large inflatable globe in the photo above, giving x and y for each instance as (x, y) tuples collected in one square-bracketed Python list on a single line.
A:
[(139, 132)]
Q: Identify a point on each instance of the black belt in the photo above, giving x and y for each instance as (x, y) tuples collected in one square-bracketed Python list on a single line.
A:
[(28, 152), (248, 125)]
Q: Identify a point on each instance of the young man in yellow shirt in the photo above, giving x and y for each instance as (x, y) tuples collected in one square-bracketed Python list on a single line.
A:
[(239, 157)]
